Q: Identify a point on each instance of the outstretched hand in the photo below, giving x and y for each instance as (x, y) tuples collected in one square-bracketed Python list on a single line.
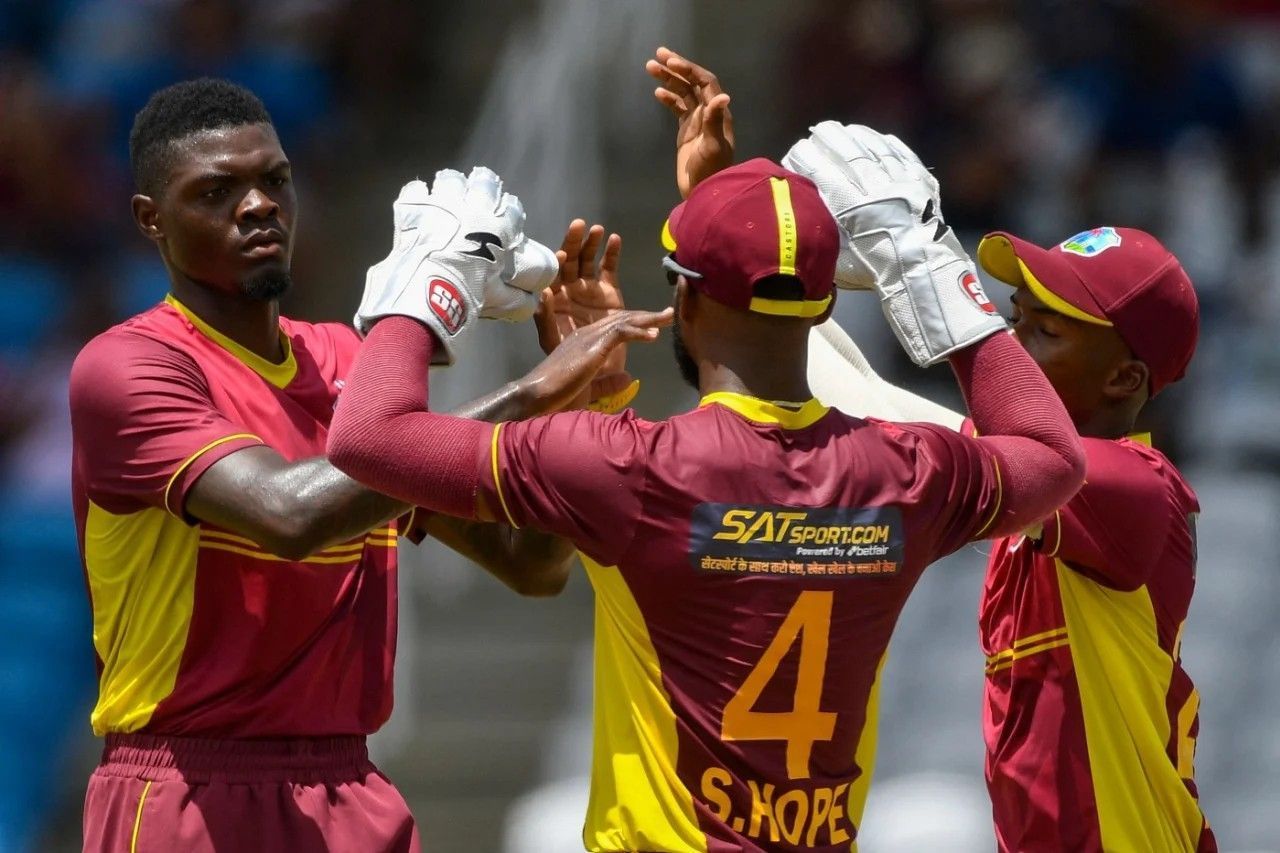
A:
[(583, 293), (569, 375), (704, 135)]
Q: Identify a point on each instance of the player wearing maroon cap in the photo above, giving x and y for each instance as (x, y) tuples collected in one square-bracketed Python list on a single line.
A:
[(749, 557), (244, 590), (1090, 719)]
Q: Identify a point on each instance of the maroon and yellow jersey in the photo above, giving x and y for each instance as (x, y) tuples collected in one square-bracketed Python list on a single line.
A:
[(750, 560), (199, 631), (1090, 720)]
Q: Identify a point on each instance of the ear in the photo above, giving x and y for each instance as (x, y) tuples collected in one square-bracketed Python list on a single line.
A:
[(686, 300), (146, 215), (1131, 377)]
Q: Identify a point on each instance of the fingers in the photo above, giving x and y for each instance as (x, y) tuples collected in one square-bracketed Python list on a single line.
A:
[(671, 101), (713, 118), (570, 249), (612, 254), (691, 71), (634, 325), (544, 321), (450, 185), (670, 80), (484, 188), (414, 192), (590, 248)]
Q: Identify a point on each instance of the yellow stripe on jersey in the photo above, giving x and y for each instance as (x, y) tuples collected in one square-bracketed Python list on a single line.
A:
[(995, 511), (279, 375), (259, 554), (383, 536), (141, 570), (1124, 677), (787, 231), (637, 800), (194, 456), (497, 480), (865, 754)]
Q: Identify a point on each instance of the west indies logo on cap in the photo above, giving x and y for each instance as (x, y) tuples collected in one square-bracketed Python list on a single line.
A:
[(1093, 242)]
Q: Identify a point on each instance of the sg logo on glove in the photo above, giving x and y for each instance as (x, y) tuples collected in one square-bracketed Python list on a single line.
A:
[(446, 303), (973, 289)]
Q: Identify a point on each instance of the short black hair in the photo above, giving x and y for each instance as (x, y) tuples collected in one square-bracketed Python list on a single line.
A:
[(176, 112)]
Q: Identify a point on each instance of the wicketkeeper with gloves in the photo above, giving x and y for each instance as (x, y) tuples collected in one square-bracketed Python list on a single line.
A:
[(243, 589), (1090, 721), (720, 539)]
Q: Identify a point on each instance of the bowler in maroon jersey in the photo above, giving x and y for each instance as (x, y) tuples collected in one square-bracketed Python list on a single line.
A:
[(749, 558), (243, 590)]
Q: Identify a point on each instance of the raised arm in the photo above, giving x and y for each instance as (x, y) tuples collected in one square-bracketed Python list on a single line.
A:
[(889, 207)]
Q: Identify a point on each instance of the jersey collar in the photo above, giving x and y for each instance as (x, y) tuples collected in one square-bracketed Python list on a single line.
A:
[(1140, 437), (766, 412), (279, 375)]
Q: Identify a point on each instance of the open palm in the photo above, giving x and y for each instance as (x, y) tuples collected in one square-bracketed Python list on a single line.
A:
[(704, 134), (583, 293)]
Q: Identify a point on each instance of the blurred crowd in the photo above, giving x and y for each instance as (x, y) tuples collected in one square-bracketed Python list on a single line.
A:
[(1041, 116), (72, 75), (1046, 117)]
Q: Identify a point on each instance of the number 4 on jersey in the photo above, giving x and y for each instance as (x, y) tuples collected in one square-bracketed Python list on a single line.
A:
[(805, 724)]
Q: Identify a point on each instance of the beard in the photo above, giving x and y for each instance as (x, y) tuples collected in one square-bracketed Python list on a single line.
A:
[(267, 285), (684, 361)]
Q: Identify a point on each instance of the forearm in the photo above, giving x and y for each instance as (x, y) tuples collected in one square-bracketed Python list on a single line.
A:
[(1023, 422), (334, 508), (382, 436), (292, 509), (841, 376), (530, 562), (511, 402)]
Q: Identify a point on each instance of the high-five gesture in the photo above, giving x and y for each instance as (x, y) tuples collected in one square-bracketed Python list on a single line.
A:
[(704, 136), (584, 292)]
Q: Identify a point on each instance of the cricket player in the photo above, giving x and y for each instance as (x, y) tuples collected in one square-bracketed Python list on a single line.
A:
[(1090, 720), (244, 590), (750, 557)]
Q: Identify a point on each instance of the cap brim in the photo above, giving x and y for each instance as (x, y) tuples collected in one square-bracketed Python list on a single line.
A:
[(1019, 263)]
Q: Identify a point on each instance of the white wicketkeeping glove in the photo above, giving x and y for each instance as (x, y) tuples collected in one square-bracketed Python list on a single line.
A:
[(459, 252), (888, 207)]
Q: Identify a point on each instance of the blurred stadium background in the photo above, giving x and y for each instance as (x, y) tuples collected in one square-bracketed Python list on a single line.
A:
[(1042, 116)]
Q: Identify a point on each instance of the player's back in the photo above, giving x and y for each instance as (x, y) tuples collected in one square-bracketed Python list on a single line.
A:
[(742, 619)]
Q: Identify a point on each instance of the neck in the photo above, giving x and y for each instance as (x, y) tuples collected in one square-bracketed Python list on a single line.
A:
[(1107, 424), (253, 324), (771, 378)]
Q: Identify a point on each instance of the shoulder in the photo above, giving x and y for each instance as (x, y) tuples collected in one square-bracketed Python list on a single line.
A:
[(1136, 470), (332, 336), (127, 353)]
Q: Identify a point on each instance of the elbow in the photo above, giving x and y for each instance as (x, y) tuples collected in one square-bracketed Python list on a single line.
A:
[(1077, 467), (340, 449), (295, 539), (293, 532), (1069, 476)]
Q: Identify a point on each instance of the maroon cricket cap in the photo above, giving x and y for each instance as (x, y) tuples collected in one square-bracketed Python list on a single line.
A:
[(747, 223), (1119, 277)]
